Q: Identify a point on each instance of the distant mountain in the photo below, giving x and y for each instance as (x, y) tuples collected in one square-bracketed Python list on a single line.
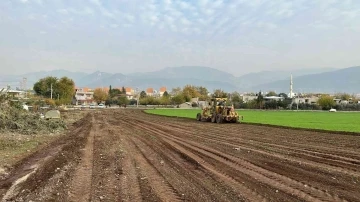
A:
[(257, 78), (91, 79), (305, 80), (33, 77), (187, 72), (342, 80)]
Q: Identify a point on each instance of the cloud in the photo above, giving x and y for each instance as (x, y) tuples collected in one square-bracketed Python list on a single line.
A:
[(107, 13), (129, 17), (96, 2), (321, 25), (266, 25), (228, 24), (185, 21), (185, 5), (40, 2), (63, 11), (114, 25)]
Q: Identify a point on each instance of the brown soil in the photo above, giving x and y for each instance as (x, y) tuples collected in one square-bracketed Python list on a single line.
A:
[(126, 155)]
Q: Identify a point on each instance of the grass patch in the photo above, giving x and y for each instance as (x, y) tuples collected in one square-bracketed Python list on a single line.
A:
[(14, 147), (339, 121)]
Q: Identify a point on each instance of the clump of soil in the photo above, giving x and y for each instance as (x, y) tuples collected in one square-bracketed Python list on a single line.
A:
[(15, 119)]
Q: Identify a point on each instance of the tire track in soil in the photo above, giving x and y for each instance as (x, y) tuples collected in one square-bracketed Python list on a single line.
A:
[(350, 165), (183, 174), (152, 184), (261, 140), (105, 177), (341, 192), (296, 158), (130, 186), (318, 176), (214, 172), (80, 188), (278, 181), (169, 131)]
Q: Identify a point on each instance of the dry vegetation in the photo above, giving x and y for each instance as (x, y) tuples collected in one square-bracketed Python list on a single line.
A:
[(23, 132), (13, 118)]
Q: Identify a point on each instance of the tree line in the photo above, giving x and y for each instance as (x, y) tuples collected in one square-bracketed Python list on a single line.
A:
[(63, 91)]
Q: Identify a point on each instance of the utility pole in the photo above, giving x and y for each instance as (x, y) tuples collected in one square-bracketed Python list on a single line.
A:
[(51, 90), (137, 100)]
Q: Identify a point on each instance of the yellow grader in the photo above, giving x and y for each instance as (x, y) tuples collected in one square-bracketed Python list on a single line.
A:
[(218, 112)]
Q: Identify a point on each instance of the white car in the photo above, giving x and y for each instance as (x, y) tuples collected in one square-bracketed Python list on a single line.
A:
[(101, 106), (92, 106), (332, 110)]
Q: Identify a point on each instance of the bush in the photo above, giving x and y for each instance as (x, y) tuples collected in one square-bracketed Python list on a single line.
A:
[(347, 107), (14, 118)]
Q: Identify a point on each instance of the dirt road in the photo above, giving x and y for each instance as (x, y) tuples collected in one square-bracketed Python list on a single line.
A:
[(125, 155)]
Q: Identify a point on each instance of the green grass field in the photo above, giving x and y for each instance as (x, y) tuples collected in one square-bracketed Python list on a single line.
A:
[(339, 121)]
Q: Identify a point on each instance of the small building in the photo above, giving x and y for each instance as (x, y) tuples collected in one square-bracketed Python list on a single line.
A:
[(306, 100), (129, 92), (83, 96), (162, 91), (273, 98), (149, 91), (247, 98), (14, 93)]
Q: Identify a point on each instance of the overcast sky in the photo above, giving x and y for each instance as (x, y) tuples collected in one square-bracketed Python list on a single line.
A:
[(237, 36)]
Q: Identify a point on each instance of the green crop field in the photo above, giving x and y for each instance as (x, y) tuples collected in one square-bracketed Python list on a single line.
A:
[(338, 121)]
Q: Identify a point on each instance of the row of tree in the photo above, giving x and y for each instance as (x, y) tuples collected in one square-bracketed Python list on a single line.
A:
[(62, 91)]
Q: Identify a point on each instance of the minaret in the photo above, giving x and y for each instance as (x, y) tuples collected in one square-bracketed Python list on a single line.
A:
[(291, 86)]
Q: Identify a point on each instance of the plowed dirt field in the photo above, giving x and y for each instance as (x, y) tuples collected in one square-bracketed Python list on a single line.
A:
[(127, 155)]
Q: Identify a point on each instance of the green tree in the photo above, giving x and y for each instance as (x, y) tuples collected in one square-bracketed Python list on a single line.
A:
[(123, 100), (178, 99), (203, 93), (252, 104), (176, 91), (62, 89), (149, 100), (165, 94), (190, 92), (283, 95), (43, 86), (220, 93), (326, 102), (271, 93), (114, 92), (343, 96), (260, 100), (110, 88), (165, 100), (236, 100), (235, 97), (123, 90), (65, 90), (142, 94), (100, 95)]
